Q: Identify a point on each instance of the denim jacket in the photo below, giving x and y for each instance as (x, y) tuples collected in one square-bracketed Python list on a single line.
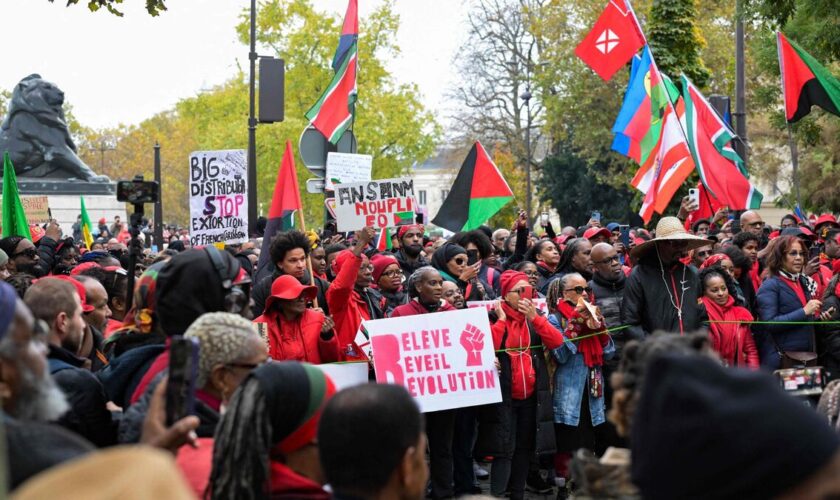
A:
[(571, 381)]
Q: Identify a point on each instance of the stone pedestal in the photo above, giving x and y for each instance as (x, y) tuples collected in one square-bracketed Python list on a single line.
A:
[(65, 200)]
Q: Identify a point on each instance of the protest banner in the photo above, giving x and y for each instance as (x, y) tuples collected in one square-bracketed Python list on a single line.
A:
[(346, 375), (36, 208), (380, 203), (343, 168), (218, 197), (540, 303), (445, 360)]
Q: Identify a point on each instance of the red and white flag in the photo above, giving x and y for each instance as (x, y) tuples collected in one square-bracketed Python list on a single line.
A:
[(614, 39)]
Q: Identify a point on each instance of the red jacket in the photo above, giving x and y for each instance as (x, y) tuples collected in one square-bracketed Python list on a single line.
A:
[(414, 307), (522, 369), (347, 307), (299, 340), (733, 341), (822, 277), (286, 483)]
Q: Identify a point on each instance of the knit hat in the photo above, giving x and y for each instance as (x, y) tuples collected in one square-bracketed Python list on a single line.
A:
[(509, 279), (190, 285), (93, 256), (9, 244), (704, 431), (295, 395), (8, 304), (380, 263)]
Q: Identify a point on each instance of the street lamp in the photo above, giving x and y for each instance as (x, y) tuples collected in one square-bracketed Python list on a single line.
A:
[(526, 96)]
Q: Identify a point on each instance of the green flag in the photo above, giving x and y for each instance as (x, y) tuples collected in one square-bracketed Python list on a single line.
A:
[(14, 220), (87, 233)]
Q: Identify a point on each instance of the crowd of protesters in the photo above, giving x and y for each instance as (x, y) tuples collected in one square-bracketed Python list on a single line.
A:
[(83, 377)]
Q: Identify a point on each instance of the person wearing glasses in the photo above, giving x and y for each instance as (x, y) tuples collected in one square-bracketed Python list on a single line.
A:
[(752, 222), (522, 424), (662, 292), (452, 262), (700, 255), (295, 332), (387, 279), (786, 295), (579, 410)]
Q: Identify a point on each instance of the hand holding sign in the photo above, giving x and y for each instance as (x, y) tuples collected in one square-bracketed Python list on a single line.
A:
[(472, 340)]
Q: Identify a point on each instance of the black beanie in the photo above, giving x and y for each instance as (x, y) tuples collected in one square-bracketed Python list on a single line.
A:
[(708, 432), (189, 285)]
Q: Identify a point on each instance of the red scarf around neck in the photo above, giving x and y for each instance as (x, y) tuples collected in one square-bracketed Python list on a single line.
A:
[(724, 334), (592, 348)]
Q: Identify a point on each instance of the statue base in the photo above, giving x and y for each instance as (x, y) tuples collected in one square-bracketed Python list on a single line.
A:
[(28, 185)]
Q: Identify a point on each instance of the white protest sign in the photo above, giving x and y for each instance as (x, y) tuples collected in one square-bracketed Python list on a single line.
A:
[(489, 305), (346, 375), (345, 167), (445, 360), (380, 203), (218, 197)]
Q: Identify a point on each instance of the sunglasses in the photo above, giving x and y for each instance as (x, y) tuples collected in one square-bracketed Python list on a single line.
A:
[(29, 252), (579, 289), (460, 260)]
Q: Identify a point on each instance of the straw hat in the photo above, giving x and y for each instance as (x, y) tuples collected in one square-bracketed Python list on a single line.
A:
[(670, 229)]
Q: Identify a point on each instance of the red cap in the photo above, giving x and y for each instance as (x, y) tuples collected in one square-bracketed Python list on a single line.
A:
[(37, 232), (80, 290), (84, 266), (597, 231), (287, 287), (102, 220)]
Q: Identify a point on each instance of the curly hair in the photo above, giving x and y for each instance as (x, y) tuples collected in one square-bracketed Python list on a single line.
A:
[(478, 238), (717, 272), (223, 337), (628, 380), (287, 241)]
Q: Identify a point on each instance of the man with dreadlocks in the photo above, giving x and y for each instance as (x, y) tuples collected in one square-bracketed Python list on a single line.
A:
[(265, 443)]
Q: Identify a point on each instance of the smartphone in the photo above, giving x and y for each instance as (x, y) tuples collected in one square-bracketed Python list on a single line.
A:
[(596, 215), (544, 219), (625, 236), (814, 252), (472, 257), (138, 191), (694, 196), (183, 370)]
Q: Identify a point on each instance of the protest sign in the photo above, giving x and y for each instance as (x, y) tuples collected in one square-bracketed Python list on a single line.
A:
[(380, 203), (346, 375), (343, 168), (489, 305), (36, 208), (218, 197), (445, 360)]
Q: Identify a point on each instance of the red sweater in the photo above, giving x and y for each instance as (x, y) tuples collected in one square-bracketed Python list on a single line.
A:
[(522, 369), (414, 307), (299, 340)]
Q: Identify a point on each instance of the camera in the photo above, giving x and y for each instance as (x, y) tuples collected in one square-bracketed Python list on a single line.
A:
[(138, 191)]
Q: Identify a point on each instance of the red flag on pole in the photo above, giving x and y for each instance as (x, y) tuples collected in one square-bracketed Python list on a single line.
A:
[(614, 39)]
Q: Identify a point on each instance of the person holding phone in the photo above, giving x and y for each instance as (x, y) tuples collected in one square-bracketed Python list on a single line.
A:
[(451, 261)]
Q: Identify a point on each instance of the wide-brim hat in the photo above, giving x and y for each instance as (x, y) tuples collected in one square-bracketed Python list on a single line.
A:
[(669, 229), (287, 287)]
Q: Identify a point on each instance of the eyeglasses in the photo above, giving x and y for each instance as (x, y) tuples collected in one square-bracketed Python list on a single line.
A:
[(392, 274), (30, 252), (614, 258), (755, 224), (530, 273), (579, 289)]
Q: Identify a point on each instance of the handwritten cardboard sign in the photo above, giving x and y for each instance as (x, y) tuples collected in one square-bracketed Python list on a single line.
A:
[(343, 168), (380, 203), (218, 197), (445, 360)]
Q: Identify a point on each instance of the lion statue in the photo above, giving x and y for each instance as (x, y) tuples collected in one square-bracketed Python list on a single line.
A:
[(36, 136)]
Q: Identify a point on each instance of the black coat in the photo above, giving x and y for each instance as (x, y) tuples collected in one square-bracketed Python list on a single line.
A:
[(828, 335), (262, 291), (495, 422), (409, 267), (649, 306), (609, 296), (88, 415)]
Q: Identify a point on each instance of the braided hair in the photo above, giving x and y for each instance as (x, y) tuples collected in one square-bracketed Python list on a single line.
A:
[(554, 294), (241, 447)]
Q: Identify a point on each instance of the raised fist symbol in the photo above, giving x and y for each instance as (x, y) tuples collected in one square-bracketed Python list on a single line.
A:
[(472, 340)]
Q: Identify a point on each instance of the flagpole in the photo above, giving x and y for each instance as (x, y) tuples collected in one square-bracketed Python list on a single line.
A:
[(308, 260), (794, 158)]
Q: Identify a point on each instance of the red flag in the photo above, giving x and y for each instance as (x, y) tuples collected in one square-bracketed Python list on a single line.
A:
[(284, 203), (614, 39)]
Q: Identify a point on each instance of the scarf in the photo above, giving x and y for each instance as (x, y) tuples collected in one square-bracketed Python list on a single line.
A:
[(724, 336), (592, 348), (810, 286)]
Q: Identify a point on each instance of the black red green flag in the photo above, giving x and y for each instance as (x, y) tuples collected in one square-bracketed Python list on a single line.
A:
[(805, 82), (478, 193), (281, 216)]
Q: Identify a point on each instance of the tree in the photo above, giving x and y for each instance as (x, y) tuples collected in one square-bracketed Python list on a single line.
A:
[(391, 123), (675, 40), (153, 7)]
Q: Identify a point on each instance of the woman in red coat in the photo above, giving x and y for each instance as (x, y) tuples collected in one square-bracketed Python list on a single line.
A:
[(732, 339), (294, 332)]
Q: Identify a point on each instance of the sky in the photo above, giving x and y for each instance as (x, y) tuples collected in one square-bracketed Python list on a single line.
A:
[(123, 70)]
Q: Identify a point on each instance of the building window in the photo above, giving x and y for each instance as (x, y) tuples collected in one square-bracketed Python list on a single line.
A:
[(444, 193), (421, 197)]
